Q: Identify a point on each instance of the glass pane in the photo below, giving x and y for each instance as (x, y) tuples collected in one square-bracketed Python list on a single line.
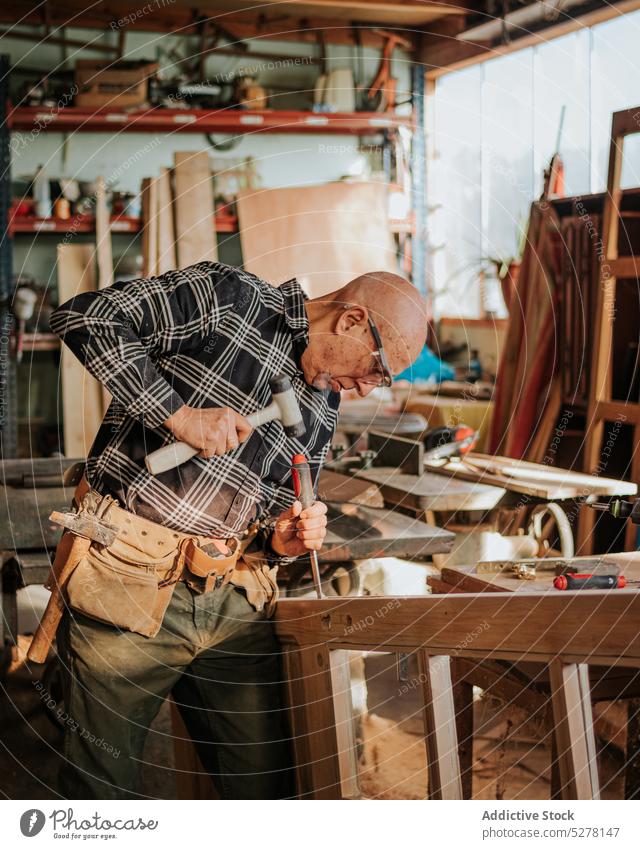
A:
[(615, 85), (561, 78), (507, 152), (454, 193)]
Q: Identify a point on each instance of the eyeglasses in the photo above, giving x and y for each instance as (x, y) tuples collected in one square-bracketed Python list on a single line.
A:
[(383, 377)]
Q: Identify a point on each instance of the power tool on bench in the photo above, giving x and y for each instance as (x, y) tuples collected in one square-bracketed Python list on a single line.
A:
[(621, 509), (446, 442)]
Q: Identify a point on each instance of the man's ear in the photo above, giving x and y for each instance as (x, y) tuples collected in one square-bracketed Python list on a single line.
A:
[(351, 316)]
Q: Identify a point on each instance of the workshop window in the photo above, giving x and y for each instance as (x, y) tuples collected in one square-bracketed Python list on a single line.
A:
[(492, 130)]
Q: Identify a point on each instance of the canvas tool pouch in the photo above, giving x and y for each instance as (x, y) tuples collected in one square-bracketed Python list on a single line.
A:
[(129, 583)]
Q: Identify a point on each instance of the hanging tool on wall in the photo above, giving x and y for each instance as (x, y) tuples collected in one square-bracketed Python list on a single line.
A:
[(24, 304), (382, 92), (303, 488)]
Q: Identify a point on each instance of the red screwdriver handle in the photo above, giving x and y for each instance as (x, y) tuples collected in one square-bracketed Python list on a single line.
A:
[(589, 582)]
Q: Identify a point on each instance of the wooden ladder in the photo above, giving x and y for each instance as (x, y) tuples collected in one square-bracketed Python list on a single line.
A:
[(602, 408)]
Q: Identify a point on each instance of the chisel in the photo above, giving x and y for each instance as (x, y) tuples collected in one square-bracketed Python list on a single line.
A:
[(303, 488)]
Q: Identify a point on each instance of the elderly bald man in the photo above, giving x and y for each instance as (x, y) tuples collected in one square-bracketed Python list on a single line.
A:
[(180, 603)]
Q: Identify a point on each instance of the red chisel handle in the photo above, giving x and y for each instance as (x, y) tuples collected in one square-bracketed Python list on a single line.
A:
[(303, 488), (302, 483), (589, 582)]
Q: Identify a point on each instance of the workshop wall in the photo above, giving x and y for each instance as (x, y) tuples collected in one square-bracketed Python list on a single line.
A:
[(280, 160), (125, 158)]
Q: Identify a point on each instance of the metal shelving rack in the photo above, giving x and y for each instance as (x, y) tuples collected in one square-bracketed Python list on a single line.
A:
[(205, 121), (232, 121), (8, 428)]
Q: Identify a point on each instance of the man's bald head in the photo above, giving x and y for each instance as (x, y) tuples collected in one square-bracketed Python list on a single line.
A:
[(397, 308), (342, 350)]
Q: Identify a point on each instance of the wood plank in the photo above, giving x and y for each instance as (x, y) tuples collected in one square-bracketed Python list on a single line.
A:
[(506, 683), (150, 227), (324, 235), (632, 765), (346, 488), (81, 393), (194, 218), (166, 231), (625, 122), (600, 625), (532, 479), (313, 722), (345, 731), (441, 736), (431, 491), (600, 390), (610, 411), (105, 255), (103, 236), (464, 579), (625, 267), (439, 586), (573, 729), (539, 444), (463, 706)]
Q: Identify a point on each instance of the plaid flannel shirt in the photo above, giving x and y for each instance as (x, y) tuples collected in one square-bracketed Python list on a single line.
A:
[(207, 336)]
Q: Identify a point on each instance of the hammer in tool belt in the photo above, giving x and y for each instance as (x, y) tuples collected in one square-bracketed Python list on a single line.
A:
[(283, 407), (81, 529)]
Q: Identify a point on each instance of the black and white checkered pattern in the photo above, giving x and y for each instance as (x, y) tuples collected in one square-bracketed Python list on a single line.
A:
[(207, 336)]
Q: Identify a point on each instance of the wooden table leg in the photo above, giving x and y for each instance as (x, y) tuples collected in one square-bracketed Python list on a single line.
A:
[(573, 729), (632, 765), (463, 703), (313, 721), (556, 781), (441, 736)]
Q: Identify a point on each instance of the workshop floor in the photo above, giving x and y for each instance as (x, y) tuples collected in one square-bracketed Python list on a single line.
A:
[(30, 744), (511, 754)]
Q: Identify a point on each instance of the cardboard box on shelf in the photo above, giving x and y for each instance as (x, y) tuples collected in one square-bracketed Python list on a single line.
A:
[(116, 86)]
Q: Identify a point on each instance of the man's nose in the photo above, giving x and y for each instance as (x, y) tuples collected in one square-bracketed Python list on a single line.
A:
[(364, 388)]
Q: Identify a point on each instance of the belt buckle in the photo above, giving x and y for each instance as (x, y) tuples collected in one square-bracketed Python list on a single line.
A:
[(212, 582)]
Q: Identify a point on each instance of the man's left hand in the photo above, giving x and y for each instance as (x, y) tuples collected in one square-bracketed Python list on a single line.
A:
[(298, 531)]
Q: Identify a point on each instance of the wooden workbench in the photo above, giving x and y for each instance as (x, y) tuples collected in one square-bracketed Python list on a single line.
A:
[(527, 684), (431, 492)]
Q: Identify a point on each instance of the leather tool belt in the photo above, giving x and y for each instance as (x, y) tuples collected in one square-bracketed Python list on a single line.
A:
[(129, 583)]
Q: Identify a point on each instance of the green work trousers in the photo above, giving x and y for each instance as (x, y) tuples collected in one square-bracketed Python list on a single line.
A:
[(219, 659)]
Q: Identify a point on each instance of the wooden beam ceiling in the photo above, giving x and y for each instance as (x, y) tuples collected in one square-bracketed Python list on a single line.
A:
[(398, 13), (441, 52), (298, 20)]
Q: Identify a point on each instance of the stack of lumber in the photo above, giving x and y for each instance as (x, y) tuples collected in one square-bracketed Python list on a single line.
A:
[(179, 230), (83, 402), (528, 396), (178, 215)]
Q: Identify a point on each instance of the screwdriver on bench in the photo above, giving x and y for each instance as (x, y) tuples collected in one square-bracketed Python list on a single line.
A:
[(303, 488), (590, 582)]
